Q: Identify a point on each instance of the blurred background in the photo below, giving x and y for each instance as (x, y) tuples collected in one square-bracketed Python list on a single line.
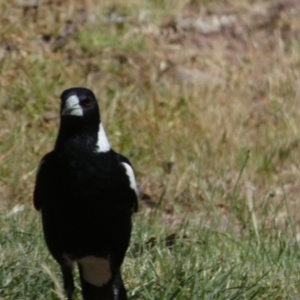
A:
[(203, 97)]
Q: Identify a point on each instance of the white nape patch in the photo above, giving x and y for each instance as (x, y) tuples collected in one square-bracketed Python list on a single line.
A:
[(72, 107), (131, 176), (96, 270), (102, 143)]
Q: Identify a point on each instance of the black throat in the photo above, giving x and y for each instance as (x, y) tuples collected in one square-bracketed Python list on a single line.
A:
[(76, 131)]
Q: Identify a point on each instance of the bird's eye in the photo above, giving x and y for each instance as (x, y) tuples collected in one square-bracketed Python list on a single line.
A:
[(87, 102)]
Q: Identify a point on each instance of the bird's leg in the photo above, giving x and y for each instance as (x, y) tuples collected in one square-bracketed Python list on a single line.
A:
[(118, 288), (68, 280)]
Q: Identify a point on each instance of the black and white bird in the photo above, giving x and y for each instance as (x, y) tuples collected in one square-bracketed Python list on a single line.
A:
[(87, 194)]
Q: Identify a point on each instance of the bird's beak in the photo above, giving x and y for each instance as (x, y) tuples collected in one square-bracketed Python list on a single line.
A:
[(72, 107)]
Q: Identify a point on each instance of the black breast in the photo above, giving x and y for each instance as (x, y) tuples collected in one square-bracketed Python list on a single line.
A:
[(89, 203)]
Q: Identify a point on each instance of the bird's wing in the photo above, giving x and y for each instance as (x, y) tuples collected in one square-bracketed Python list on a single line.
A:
[(130, 173), (41, 181)]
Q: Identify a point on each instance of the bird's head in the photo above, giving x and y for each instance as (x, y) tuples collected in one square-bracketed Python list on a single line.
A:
[(80, 117), (79, 103)]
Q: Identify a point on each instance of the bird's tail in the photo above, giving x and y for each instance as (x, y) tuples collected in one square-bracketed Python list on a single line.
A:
[(113, 290)]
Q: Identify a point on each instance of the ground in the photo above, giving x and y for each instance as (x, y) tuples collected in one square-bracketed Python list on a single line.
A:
[(203, 97)]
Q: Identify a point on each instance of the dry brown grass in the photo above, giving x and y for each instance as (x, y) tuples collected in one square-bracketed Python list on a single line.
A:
[(203, 97), (185, 89)]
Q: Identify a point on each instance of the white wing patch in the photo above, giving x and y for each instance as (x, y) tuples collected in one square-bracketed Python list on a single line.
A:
[(131, 177), (102, 143), (72, 107), (96, 270)]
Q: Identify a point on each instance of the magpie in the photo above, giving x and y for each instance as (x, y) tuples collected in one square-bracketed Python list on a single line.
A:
[(86, 193)]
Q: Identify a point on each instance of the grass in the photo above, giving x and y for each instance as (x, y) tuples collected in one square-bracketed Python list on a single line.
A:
[(199, 263), (209, 121)]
